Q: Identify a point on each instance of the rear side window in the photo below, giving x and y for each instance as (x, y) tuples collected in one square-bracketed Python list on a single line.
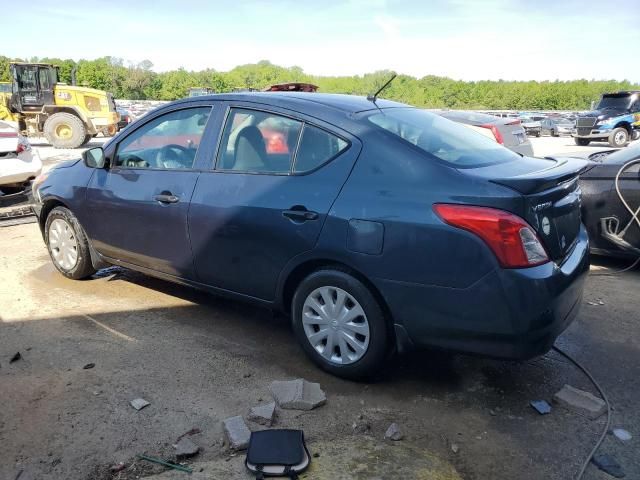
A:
[(316, 148), (448, 141), (259, 142)]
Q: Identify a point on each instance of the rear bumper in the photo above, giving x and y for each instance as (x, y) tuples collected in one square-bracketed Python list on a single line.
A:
[(514, 314), (20, 169), (525, 149)]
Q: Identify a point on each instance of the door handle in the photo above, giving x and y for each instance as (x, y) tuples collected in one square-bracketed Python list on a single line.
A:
[(300, 215), (166, 198)]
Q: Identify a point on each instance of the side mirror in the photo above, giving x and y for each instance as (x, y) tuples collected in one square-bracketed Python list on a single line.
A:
[(94, 158)]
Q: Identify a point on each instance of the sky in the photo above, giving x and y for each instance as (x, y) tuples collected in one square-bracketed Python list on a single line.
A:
[(460, 39)]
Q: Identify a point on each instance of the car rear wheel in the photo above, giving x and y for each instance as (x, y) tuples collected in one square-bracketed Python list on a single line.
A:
[(67, 244), (619, 137), (554, 133), (340, 324), (583, 142)]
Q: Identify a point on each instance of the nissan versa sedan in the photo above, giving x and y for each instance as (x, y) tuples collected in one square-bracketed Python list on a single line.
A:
[(377, 226)]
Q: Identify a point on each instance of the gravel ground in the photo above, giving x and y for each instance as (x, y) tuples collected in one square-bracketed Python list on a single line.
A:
[(199, 359)]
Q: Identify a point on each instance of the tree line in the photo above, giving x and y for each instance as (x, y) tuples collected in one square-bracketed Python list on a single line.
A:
[(140, 82)]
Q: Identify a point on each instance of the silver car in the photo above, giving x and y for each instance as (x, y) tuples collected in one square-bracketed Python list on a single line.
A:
[(557, 126), (506, 131)]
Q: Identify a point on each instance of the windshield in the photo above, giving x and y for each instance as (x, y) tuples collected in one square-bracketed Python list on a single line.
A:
[(452, 143), (619, 102)]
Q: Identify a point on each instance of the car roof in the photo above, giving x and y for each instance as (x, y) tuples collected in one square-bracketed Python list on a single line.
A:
[(346, 103)]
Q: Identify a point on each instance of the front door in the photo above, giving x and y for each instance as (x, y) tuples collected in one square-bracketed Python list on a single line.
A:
[(140, 203), (265, 202)]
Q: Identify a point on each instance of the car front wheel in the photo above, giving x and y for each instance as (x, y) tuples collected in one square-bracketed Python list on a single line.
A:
[(67, 244), (340, 324)]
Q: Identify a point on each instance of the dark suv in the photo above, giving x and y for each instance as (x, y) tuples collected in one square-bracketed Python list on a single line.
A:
[(378, 227)]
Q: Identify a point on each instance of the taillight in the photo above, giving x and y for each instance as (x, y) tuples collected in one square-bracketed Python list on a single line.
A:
[(23, 145), (495, 131), (512, 240)]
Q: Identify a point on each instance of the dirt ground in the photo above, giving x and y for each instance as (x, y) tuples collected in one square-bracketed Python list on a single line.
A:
[(199, 359)]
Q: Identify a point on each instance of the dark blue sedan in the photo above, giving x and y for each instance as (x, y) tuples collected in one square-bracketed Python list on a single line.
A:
[(377, 226)]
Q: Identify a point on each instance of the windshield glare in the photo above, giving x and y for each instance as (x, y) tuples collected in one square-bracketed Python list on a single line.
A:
[(617, 102), (453, 143)]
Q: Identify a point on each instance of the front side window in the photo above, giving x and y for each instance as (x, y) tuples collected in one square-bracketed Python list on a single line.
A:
[(259, 142), (168, 142), (450, 142)]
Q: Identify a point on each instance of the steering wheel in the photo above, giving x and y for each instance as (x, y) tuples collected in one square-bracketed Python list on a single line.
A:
[(168, 155)]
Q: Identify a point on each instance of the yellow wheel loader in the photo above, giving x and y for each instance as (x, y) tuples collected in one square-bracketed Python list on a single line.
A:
[(66, 115)]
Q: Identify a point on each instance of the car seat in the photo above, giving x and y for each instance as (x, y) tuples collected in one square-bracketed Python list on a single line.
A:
[(250, 151)]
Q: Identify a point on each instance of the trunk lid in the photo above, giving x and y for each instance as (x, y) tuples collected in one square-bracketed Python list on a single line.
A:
[(551, 195)]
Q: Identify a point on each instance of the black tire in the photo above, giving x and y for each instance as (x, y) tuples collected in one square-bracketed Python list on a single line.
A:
[(554, 133), (83, 267), (635, 135), (583, 142), (619, 137), (87, 139), (58, 123), (380, 340), (538, 133)]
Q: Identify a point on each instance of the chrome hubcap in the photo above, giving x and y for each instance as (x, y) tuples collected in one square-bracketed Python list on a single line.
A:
[(620, 137), (63, 244), (336, 325)]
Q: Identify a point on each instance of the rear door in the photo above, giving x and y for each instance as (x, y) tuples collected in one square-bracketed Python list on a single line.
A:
[(141, 202), (266, 197)]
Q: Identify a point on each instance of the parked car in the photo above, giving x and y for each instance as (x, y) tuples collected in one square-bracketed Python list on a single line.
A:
[(382, 228), (125, 118), (531, 127), (19, 163), (600, 199), (505, 131), (557, 126)]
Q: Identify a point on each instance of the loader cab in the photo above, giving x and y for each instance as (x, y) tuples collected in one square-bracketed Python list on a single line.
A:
[(33, 86)]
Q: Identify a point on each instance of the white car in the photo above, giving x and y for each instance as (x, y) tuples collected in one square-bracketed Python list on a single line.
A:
[(19, 163)]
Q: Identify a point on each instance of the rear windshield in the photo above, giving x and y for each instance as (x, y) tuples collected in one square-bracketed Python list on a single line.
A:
[(624, 155), (451, 142)]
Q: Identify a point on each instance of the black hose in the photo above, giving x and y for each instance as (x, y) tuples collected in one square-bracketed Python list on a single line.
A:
[(606, 400)]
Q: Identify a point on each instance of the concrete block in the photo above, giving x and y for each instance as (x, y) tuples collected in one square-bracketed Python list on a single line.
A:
[(263, 414), (580, 402), (297, 394), (237, 433)]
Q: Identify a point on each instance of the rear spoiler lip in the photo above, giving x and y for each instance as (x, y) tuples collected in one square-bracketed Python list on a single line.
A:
[(565, 169)]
